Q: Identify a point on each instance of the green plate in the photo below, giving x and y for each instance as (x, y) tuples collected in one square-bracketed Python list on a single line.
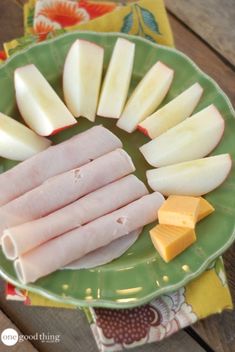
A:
[(140, 274)]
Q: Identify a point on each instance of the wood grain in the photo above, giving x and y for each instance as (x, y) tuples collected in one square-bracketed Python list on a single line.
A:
[(212, 20), (204, 57), (11, 21), (5, 323)]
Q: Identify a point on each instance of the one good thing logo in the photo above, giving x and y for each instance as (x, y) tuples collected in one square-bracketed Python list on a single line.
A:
[(9, 337)]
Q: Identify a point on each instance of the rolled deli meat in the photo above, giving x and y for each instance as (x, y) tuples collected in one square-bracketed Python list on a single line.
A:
[(75, 244), (65, 188), (106, 254), (62, 157), (22, 238)]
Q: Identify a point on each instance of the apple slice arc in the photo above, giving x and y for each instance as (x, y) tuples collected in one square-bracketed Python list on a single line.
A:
[(192, 139), (172, 113), (40, 106), (18, 142), (146, 97), (191, 178), (82, 78), (117, 80)]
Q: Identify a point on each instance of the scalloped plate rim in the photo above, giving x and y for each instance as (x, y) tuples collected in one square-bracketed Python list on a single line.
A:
[(129, 302)]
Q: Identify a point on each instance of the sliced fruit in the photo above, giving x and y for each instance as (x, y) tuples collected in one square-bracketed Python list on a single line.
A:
[(82, 78), (179, 211), (191, 178), (205, 209), (18, 142), (172, 113), (146, 97), (191, 139), (170, 241), (40, 106), (117, 80)]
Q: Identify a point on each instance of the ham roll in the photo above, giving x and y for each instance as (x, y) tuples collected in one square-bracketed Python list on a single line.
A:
[(75, 244), (106, 254), (65, 188), (75, 152), (20, 239)]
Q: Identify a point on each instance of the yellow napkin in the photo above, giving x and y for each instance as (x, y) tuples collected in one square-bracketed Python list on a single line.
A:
[(146, 18)]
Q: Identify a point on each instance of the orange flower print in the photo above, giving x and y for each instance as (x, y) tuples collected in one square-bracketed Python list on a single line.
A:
[(96, 9), (42, 28), (66, 13)]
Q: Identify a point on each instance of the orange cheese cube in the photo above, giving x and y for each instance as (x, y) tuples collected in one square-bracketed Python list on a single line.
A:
[(171, 240), (179, 211), (205, 209)]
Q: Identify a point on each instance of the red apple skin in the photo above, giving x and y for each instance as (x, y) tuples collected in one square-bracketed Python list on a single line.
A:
[(83, 40), (61, 129), (143, 130), (53, 132)]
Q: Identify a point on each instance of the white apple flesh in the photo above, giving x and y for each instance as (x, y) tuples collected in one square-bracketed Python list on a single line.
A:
[(117, 80), (146, 97), (40, 106), (191, 178), (193, 138), (172, 113), (82, 78), (18, 142)]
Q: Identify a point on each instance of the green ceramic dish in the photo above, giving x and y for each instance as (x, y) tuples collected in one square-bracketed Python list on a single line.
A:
[(140, 274)]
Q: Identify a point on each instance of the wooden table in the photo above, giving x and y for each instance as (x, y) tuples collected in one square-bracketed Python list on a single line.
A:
[(204, 30)]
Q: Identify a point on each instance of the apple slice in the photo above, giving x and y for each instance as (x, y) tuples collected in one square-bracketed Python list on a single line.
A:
[(146, 97), (172, 113), (193, 138), (40, 106), (191, 178), (18, 142), (82, 78), (117, 80)]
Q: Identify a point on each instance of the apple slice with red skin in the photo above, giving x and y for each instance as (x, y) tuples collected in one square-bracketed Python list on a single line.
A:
[(191, 178), (41, 108), (146, 97), (193, 138), (172, 113), (18, 142), (82, 78), (117, 79)]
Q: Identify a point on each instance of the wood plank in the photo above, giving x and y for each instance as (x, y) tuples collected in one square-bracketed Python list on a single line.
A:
[(212, 20), (74, 330), (204, 57), (11, 20), (5, 323)]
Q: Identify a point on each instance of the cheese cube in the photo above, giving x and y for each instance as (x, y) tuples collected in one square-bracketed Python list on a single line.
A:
[(171, 240), (205, 209), (179, 211)]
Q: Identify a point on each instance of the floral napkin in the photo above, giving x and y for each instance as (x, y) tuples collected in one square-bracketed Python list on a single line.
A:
[(45, 19), (115, 329)]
